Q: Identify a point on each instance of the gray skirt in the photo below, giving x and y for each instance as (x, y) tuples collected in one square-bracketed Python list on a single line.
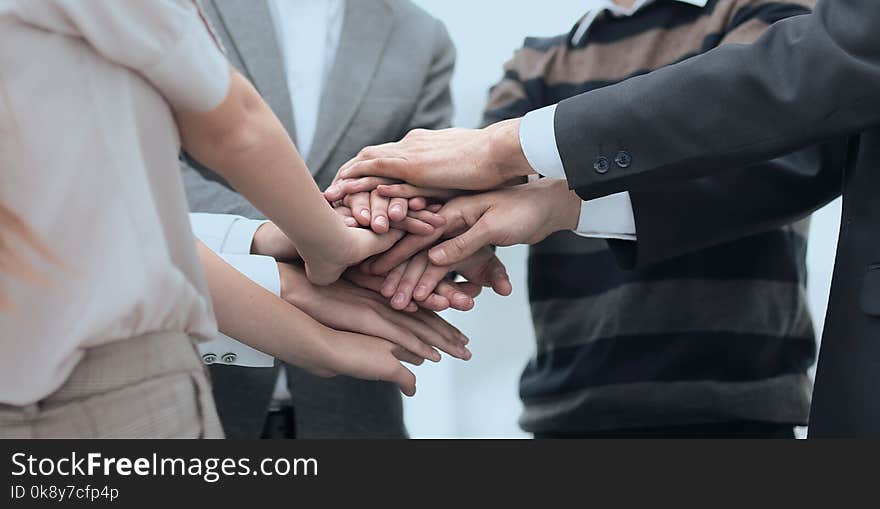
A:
[(151, 386)]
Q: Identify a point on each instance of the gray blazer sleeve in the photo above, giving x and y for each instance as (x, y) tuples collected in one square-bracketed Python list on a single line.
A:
[(208, 194), (434, 107), (807, 79)]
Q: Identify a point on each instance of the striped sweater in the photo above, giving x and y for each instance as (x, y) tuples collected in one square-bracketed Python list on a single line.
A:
[(718, 335)]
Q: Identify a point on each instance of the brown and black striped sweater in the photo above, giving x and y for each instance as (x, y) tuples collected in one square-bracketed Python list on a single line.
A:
[(718, 335)]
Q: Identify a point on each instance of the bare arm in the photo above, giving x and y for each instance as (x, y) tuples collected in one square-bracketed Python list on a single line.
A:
[(244, 142), (263, 321)]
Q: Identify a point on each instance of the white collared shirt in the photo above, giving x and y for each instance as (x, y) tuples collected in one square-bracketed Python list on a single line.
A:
[(609, 217), (308, 34)]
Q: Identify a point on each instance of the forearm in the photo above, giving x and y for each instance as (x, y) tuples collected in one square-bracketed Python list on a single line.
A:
[(205, 194), (258, 318), (245, 143)]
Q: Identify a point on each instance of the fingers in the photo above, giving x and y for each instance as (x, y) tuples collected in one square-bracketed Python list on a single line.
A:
[(392, 280), (402, 251), (431, 277), (359, 203), (459, 248), (405, 190), (403, 355), (347, 217), (418, 203), (385, 327), (498, 278), (414, 270), (405, 379), (397, 209), (421, 222), (369, 243), (379, 213), (435, 331), (390, 167), (435, 302), (363, 185), (457, 299)]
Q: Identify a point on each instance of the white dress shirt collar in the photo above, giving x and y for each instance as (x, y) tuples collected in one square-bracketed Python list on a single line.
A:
[(308, 34), (616, 10)]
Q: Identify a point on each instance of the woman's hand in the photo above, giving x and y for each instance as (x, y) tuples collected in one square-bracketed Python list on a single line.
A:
[(418, 278), (447, 294), (364, 357), (369, 208), (259, 319), (346, 307)]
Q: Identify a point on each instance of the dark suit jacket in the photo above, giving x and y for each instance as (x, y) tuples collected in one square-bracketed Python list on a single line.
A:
[(808, 79)]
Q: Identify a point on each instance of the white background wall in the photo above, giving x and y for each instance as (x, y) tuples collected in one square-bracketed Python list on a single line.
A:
[(479, 398)]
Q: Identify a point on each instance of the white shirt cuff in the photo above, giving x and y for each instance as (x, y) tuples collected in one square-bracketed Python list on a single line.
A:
[(609, 217), (537, 135), (225, 350), (225, 233)]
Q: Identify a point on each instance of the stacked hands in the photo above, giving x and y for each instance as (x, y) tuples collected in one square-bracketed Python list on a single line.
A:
[(420, 212)]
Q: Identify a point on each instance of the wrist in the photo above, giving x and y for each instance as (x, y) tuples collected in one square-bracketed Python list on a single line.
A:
[(566, 205), (294, 284), (505, 154), (269, 240)]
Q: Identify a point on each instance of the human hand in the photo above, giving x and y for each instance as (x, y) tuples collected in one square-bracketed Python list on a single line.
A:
[(360, 356), (418, 278), (446, 294), (470, 159), (523, 214), (381, 213), (344, 306)]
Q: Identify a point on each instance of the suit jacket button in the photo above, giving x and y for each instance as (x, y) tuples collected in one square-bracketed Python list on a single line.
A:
[(229, 358), (209, 358), (601, 165), (623, 159)]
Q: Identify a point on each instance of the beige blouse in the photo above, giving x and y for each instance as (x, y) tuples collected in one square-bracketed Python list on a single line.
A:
[(88, 157)]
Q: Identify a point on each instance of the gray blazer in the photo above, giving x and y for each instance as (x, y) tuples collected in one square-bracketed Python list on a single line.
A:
[(391, 75), (808, 79)]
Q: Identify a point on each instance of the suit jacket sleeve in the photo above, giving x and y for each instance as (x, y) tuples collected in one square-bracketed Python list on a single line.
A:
[(808, 79), (690, 215), (434, 107)]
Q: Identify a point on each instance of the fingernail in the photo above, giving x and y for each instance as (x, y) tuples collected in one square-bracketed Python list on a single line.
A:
[(439, 256), (397, 209), (421, 292), (466, 354), (435, 356), (387, 290), (462, 299), (382, 221), (365, 213), (331, 190), (399, 299), (350, 221)]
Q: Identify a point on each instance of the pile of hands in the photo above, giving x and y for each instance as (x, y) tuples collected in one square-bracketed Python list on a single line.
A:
[(425, 215)]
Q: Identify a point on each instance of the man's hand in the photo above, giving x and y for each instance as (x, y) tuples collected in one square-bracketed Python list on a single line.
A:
[(524, 214), (471, 159), (345, 307)]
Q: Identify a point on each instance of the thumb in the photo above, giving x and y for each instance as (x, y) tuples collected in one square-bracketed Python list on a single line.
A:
[(498, 277), (457, 249), (403, 378)]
